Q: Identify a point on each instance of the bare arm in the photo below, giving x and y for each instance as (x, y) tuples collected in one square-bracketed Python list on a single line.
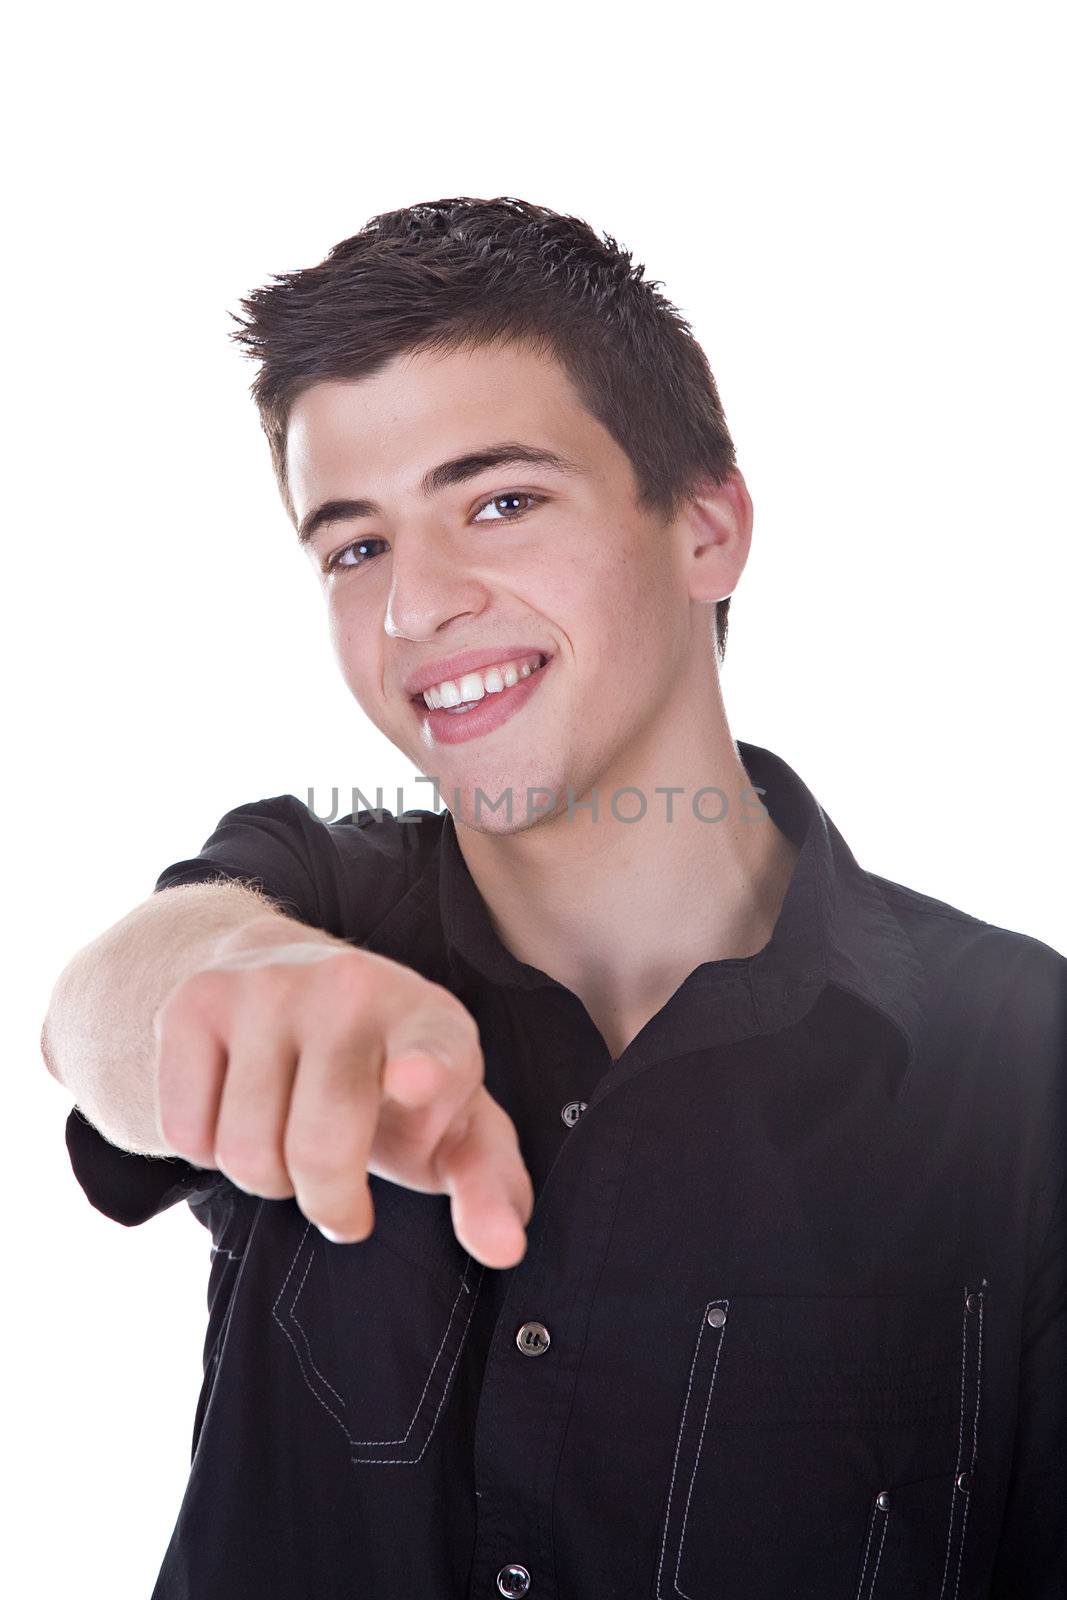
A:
[(98, 1039), (210, 1026)]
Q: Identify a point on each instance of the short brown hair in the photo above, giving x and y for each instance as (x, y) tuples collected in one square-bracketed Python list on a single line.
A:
[(461, 273)]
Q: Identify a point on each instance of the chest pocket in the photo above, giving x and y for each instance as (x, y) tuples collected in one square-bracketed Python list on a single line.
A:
[(827, 1447), (377, 1328)]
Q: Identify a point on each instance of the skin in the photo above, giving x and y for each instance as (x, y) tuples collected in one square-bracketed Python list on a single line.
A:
[(618, 911)]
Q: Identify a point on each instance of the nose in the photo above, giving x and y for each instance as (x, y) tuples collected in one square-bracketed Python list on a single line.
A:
[(430, 586)]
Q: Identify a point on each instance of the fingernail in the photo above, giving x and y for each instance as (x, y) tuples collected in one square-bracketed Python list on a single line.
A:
[(334, 1238)]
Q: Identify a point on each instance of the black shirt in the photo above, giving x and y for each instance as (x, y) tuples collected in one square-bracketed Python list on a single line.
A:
[(792, 1319)]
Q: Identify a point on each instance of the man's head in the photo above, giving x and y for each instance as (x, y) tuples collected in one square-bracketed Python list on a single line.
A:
[(444, 330)]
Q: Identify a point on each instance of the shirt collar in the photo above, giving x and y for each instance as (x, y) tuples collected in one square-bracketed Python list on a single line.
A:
[(834, 926)]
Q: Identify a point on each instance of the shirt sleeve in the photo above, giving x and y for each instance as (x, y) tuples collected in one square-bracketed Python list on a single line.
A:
[(131, 1188), (277, 845), (283, 849)]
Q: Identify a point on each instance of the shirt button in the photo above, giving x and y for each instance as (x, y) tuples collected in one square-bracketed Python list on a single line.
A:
[(573, 1110), (963, 1482), (513, 1579), (972, 1302), (716, 1317), (533, 1339), (883, 1501)]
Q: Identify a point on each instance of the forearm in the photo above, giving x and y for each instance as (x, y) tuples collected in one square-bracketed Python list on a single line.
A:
[(97, 1038)]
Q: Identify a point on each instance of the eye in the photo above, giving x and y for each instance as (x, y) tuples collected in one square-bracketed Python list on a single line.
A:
[(511, 494), (339, 558)]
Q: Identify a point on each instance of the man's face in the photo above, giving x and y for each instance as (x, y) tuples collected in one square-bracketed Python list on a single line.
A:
[(518, 560)]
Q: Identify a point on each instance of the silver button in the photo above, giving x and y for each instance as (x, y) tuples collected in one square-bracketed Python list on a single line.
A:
[(513, 1579), (963, 1482), (716, 1317), (882, 1501), (533, 1338), (972, 1302), (573, 1110)]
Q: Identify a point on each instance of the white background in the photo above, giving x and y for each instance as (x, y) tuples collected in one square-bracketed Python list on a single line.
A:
[(859, 211)]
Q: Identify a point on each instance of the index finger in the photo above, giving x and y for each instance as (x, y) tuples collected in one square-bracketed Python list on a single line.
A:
[(481, 1167)]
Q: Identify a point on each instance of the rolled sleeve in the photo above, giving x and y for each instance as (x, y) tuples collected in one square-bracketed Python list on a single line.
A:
[(127, 1187), (277, 846)]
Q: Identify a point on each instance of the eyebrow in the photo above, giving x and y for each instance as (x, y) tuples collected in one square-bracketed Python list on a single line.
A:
[(458, 470)]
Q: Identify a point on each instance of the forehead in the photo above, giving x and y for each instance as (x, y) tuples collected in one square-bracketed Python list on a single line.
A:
[(425, 407)]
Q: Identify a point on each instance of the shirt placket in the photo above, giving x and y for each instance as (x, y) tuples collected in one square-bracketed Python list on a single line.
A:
[(534, 1360)]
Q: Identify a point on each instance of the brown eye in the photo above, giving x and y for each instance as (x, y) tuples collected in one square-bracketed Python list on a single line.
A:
[(511, 495), (337, 559)]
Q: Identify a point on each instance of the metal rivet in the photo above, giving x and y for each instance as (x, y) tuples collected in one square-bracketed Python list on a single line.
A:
[(533, 1338), (716, 1317), (882, 1501)]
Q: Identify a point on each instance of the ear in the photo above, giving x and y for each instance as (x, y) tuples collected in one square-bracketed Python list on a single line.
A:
[(717, 523)]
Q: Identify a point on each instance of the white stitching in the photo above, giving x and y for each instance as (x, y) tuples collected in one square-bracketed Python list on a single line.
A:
[(678, 1446), (700, 1446), (436, 1359), (867, 1550), (978, 1395), (963, 1531), (878, 1563), (464, 1288), (974, 1452), (370, 1461), (677, 1450), (870, 1533), (959, 1451), (307, 1343), (289, 1336)]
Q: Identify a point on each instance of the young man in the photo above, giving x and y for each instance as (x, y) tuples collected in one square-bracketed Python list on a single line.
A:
[(707, 1189)]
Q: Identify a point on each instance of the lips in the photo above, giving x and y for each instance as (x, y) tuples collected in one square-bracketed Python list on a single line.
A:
[(446, 726), (453, 667), (466, 706)]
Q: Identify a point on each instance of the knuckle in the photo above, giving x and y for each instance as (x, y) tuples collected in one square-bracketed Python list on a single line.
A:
[(467, 1029), (460, 1031), (179, 1097), (180, 1125), (326, 1151), (190, 1010), (354, 976), (453, 1138), (452, 1006), (200, 993)]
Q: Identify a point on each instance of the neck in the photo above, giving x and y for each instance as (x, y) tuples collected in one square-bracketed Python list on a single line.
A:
[(621, 912)]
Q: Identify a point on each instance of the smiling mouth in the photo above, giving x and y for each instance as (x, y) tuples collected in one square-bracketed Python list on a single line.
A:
[(490, 694)]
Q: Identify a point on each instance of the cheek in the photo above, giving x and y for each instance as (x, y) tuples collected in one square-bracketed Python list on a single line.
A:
[(352, 646), (613, 587), (340, 630)]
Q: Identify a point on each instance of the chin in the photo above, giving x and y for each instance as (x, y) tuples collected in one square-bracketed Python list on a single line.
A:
[(481, 803)]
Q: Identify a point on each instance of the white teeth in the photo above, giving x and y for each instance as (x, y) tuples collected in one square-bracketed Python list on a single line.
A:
[(474, 686), (471, 687)]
